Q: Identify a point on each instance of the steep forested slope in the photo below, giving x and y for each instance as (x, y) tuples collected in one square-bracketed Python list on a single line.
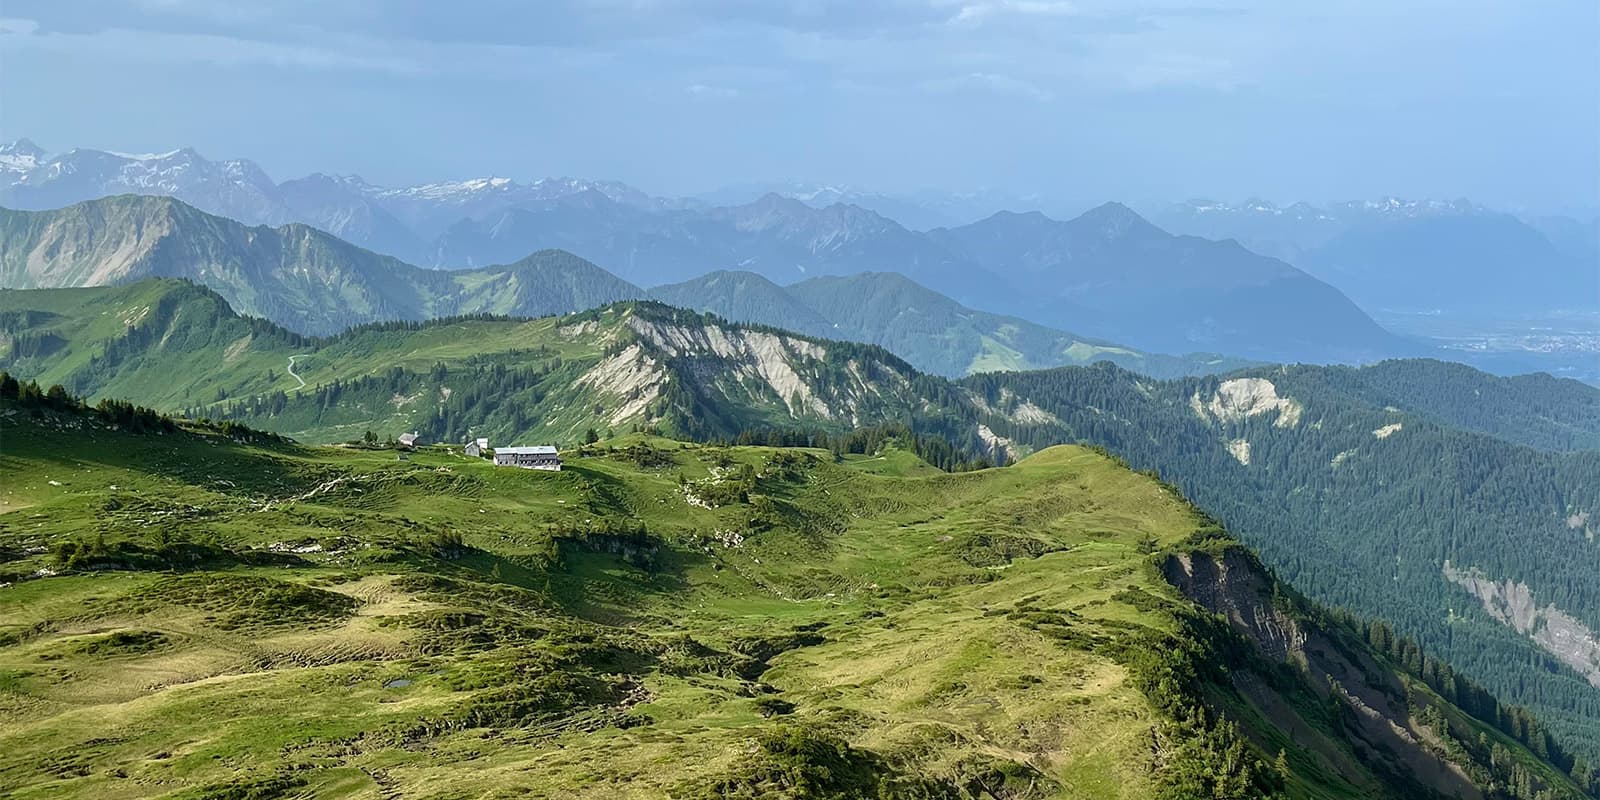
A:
[(1535, 410), (1481, 549)]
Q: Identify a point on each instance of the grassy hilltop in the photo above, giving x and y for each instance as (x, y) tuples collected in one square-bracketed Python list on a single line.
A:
[(192, 613)]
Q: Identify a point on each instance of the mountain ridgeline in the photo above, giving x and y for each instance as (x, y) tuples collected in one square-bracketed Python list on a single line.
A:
[(1448, 501), (1450, 256), (1107, 274), (1140, 284), (295, 275), (928, 329), (317, 284)]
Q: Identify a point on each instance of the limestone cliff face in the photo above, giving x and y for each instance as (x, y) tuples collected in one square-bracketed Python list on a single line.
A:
[(786, 376), (1513, 603)]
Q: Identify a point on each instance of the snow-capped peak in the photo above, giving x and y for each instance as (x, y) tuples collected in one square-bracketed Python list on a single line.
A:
[(21, 156), (1387, 206), (454, 191)]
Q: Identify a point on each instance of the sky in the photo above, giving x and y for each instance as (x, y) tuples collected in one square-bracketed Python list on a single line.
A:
[(1076, 101)]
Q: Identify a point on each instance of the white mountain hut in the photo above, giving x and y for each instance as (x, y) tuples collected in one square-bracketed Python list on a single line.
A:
[(543, 457)]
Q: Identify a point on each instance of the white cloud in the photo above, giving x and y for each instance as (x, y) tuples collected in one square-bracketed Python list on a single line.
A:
[(151, 46), (18, 27)]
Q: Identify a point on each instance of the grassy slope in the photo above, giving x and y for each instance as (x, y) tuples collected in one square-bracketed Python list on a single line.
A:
[(564, 413), (874, 590), (200, 352), (892, 560), (216, 349)]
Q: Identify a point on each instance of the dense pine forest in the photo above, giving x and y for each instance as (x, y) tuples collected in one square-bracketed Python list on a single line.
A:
[(1360, 528)]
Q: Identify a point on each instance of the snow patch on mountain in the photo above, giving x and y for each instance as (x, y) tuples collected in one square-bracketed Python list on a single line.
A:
[(21, 156), (450, 191), (1391, 207)]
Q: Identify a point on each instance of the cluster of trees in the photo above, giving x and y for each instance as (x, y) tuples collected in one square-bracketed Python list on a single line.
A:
[(1206, 755), (29, 344), (414, 325), (126, 416), (935, 448)]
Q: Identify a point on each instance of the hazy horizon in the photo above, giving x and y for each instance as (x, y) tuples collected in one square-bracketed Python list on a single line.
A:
[(1070, 103)]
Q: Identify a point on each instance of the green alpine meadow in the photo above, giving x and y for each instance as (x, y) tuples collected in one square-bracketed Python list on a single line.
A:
[(1426, 494), (769, 565), (203, 610)]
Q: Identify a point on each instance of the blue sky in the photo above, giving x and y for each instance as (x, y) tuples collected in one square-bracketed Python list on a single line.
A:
[(1074, 100)]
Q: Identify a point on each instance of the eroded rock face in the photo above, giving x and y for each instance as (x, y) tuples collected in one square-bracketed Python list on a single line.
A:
[(999, 446), (632, 377), (1387, 733), (1231, 587), (1513, 603), (1388, 430), (759, 355), (1241, 398)]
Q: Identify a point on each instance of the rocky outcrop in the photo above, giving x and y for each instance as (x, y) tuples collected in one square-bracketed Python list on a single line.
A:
[(756, 355), (1239, 399), (1513, 604), (1233, 587), (632, 378)]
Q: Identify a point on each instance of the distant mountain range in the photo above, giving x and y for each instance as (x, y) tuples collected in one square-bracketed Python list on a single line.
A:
[(1134, 282), (1108, 273), (928, 329), (918, 211), (1416, 255), (315, 283), (295, 274), (401, 222)]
